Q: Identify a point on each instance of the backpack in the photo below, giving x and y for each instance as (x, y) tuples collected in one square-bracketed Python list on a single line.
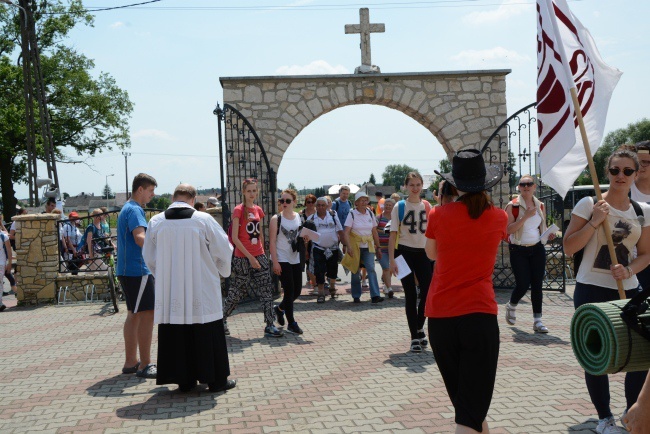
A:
[(577, 256), (401, 207)]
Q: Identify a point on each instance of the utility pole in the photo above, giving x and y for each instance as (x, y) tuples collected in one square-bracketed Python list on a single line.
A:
[(126, 172)]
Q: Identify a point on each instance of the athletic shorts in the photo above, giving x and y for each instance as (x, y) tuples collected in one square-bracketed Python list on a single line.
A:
[(139, 292), (466, 349), (324, 266)]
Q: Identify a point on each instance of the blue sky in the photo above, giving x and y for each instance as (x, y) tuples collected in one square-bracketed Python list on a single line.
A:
[(170, 60)]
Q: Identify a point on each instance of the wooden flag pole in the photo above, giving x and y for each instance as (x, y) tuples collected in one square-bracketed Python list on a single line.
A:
[(594, 177)]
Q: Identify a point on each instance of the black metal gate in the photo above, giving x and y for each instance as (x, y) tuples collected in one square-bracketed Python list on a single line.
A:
[(514, 145), (242, 156)]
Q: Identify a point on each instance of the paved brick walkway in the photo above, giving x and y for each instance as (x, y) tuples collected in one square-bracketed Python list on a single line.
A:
[(349, 372)]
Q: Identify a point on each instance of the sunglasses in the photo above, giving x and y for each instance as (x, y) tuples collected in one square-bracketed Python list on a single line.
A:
[(628, 171), (309, 202), (287, 201), (526, 184)]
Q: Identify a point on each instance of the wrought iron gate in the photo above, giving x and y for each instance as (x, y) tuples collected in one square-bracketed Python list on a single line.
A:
[(514, 145), (242, 156)]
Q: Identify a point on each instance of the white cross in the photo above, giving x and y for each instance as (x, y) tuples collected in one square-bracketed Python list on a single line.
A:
[(365, 29)]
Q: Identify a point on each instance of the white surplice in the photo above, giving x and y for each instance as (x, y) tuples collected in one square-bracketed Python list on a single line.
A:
[(186, 257)]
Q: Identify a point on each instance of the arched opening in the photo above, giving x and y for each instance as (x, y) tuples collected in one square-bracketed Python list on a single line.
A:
[(348, 144)]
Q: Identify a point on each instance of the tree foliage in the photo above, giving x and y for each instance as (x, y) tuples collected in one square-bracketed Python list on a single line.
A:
[(372, 179), (89, 112), (160, 202), (444, 166), (319, 192), (292, 186), (633, 133), (394, 174)]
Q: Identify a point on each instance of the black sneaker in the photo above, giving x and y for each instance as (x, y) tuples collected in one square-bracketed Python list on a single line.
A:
[(377, 299), (230, 384), (293, 328), (2, 307), (273, 332), (226, 330), (338, 279), (356, 300), (8, 293), (279, 315)]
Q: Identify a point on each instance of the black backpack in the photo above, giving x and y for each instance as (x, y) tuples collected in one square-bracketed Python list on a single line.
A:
[(577, 256)]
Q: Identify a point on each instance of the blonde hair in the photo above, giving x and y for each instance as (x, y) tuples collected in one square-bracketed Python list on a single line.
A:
[(291, 192)]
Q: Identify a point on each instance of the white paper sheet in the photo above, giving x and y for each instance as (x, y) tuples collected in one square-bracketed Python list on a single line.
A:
[(551, 230), (313, 236), (403, 269)]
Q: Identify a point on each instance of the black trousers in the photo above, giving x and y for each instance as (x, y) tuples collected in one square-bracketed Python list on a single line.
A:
[(598, 385), (291, 279), (422, 268), (528, 265)]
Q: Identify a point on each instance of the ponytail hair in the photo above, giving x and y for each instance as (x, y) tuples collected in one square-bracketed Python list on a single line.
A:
[(476, 203)]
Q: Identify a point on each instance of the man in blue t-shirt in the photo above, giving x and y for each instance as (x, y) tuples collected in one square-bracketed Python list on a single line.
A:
[(342, 205), (136, 279)]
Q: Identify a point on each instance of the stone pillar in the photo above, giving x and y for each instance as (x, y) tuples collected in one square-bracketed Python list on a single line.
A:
[(37, 257)]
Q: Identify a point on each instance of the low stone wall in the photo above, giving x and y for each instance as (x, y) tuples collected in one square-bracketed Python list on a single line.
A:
[(77, 286)]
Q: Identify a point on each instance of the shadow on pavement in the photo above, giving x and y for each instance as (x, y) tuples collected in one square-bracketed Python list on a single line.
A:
[(533, 338), (588, 426), (413, 362), (236, 345), (114, 386), (170, 404)]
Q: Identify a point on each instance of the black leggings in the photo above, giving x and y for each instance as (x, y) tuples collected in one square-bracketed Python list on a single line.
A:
[(420, 264), (598, 385), (528, 265), (291, 279), (10, 277)]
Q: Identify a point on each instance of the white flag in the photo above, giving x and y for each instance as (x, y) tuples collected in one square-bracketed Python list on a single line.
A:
[(566, 57)]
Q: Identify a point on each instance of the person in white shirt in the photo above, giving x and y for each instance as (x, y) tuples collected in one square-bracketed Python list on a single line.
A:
[(187, 252), (326, 251), (5, 260)]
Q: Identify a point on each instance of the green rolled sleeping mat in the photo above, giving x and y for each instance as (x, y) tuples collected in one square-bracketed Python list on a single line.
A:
[(604, 344)]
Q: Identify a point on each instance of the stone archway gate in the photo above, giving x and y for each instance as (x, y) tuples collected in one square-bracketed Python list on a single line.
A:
[(263, 115)]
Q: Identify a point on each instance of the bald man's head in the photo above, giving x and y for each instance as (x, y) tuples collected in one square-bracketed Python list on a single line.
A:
[(184, 192)]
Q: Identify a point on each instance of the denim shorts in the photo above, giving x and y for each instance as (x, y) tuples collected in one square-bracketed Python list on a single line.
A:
[(384, 260)]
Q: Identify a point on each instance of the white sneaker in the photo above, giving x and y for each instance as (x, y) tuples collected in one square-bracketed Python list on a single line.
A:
[(511, 317), (608, 426)]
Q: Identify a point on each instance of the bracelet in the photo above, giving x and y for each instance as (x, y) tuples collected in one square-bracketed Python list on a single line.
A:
[(629, 270), (592, 225)]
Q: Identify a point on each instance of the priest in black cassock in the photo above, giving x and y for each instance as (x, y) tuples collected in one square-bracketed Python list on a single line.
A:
[(187, 251)]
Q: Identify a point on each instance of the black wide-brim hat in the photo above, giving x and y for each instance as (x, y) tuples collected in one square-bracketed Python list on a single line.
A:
[(470, 174)]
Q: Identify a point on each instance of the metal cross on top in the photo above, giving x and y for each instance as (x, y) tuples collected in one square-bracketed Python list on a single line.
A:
[(365, 29)]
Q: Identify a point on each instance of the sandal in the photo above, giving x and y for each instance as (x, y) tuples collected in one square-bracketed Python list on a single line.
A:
[(132, 369), (416, 347), (150, 371), (539, 327), (511, 318), (320, 299)]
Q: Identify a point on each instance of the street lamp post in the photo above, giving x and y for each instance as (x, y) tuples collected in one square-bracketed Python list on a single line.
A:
[(106, 188)]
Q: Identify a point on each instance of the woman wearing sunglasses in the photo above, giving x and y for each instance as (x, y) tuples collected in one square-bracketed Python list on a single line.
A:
[(596, 278), (284, 239), (526, 223), (250, 266)]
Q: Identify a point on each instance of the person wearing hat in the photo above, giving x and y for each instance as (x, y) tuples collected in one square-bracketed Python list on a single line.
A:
[(212, 202), (463, 238), (362, 245)]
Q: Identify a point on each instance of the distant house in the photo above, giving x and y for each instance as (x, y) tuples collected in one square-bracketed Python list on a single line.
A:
[(80, 202), (370, 189), (333, 190)]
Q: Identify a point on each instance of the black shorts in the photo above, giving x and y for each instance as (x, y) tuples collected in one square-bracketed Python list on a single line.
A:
[(139, 292), (466, 349), (324, 266)]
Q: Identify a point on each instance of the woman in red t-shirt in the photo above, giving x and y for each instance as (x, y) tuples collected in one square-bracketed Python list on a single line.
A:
[(250, 266), (463, 237)]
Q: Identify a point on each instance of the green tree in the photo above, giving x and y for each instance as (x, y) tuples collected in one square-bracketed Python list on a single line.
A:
[(394, 174), (634, 132), (319, 192), (160, 202), (292, 186), (89, 112), (107, 192), (372, 179)]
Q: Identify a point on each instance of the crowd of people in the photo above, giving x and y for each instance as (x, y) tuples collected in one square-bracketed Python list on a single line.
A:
[(171, 271)]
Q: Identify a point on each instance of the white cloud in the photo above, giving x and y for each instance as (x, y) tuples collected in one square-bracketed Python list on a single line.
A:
[(315, 67), (389, 147), (497, 56), (117, 25), (508, 9), (152, 133)]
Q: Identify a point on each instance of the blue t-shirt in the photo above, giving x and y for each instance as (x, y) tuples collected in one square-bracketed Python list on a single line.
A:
[(129, 254), (342, 209)]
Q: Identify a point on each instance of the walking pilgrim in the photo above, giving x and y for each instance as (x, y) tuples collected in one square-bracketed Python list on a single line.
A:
[(187, 251)]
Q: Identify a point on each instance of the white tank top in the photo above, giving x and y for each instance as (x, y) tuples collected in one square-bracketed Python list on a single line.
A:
[(288, 232), (530, 233)]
